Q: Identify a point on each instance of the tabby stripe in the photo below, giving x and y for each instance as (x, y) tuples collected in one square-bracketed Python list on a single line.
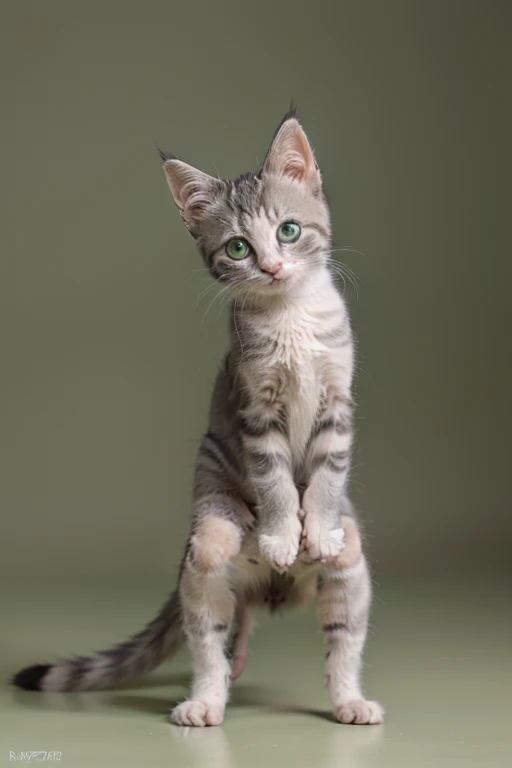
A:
[(336, 461), (336, 626), (222, 447), (341, 426), (265, 462), (323, 231), (259, 429), (337, 337), (339, 468), (77, 673), (210, 453), (339, 455)]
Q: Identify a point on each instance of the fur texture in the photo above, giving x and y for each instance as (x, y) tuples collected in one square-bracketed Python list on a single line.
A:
[(272, 524)]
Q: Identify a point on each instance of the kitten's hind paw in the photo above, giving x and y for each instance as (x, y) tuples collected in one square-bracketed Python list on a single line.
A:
[(197, 713), (360, 712)]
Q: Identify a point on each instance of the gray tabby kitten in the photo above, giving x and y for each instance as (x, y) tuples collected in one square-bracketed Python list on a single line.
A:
[(272, 523)]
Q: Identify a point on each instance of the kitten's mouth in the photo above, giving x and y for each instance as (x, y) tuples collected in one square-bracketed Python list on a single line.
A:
[(286, 271), (278, 283)]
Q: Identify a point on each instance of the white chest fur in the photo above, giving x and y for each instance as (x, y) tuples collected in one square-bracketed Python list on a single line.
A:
[(299, 367), (297, 354)]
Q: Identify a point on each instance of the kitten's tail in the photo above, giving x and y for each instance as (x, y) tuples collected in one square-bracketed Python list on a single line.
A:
[(140, 654)]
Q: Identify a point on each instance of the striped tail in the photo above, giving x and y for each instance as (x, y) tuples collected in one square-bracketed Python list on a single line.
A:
[(140, 654)]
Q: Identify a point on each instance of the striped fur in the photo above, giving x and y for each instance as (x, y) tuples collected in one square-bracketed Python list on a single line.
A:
[(272, 524)]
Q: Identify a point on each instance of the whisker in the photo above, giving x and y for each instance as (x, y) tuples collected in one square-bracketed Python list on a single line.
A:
[(236, 328), (218, 295), (360, 368), (345, 271), (195, 272), (203, 294), (225, 301), (337, 275), (351, 271), (352, 250), (352, 280)]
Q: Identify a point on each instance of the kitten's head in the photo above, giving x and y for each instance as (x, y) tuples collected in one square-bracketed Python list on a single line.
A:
[(262, 232)]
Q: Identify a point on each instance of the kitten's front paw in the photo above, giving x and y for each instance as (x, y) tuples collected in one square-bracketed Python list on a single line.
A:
[(281, 550), (197, 713), (360, 712), (319, 542)]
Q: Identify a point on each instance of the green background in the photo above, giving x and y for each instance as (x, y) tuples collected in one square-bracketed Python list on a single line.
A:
[(107, 357)]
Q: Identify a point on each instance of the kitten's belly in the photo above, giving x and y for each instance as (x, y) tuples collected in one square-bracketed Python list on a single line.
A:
[(263, 587)]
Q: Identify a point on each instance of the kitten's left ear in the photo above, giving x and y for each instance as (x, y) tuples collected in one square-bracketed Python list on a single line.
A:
[(290, 155)]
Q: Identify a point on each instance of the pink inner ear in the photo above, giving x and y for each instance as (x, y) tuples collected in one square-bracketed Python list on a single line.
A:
[(291, 155), (193, 191), (193, 199), (294, 165)]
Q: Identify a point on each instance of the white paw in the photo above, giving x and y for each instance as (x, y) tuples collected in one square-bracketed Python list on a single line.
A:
[(360, 712), (319, 542), (281, 550), (197, 713)]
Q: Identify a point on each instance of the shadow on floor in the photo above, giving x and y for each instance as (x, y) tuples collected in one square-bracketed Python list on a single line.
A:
[(122, 698)]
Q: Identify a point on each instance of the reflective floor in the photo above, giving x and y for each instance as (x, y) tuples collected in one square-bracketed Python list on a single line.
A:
[(439, 660)]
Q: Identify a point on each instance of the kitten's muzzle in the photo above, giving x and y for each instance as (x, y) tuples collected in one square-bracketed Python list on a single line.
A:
[(283, 272)]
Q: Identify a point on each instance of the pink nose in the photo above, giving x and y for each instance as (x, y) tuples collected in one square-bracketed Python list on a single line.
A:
[(272, 269)]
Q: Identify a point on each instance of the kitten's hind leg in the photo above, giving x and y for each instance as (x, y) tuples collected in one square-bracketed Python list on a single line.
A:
[(344, 596), (208, 607)]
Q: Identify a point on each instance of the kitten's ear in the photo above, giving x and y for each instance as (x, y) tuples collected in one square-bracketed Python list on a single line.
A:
[(193, 191), (291, 155)]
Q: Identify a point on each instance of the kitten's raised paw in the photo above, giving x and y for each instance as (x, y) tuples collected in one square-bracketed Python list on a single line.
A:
[(281, 551), (197, 713), (360, 712), (319, 542)]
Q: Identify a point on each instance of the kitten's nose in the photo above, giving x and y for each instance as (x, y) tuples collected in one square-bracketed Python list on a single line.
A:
[(278, 269), (284, 271), (273, 268)]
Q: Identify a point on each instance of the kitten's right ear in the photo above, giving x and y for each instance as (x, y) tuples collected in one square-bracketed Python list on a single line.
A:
[(193, 191)]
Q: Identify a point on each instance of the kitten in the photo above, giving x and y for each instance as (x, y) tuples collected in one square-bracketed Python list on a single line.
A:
[(272, 524)]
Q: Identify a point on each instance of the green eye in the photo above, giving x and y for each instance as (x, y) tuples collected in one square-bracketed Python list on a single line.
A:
[(289, 232), (237, 249)]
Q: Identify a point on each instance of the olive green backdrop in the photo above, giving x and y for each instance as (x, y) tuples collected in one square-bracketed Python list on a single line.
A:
[(108, 361)]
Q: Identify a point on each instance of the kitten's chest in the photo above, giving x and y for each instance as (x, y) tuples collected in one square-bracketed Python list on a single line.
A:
[(303, 401), (299, 366)]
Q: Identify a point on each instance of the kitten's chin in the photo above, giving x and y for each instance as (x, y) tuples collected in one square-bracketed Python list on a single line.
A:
[(272, 290)]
